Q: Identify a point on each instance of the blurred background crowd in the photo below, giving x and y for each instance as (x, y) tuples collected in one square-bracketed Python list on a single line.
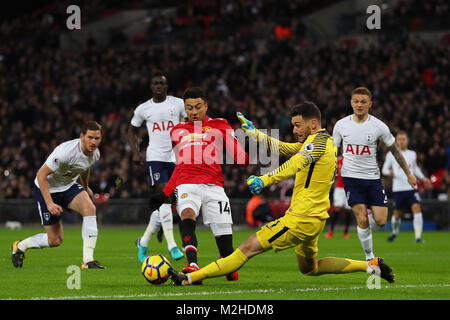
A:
[(46, 92)]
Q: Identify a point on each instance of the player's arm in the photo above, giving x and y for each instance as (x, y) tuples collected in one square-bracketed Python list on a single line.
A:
[(84, 181), (290, 167), (419, 174), (402, 163), (132, 134), (271, 144), (42, 175)]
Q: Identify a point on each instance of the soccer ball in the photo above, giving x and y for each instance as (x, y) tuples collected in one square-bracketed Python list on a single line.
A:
[(155, 269)]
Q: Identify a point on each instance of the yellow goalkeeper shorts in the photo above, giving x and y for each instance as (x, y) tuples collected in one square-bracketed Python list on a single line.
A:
[(290, 231)]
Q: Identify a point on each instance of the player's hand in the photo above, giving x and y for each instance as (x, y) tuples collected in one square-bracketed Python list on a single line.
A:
[(426, 183), (245, 123), (156, 200), (54, 209), (255, 184), (90, 193), (412, 180), (247, 126)]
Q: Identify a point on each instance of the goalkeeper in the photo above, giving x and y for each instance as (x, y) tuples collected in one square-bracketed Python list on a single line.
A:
[(313, 162)]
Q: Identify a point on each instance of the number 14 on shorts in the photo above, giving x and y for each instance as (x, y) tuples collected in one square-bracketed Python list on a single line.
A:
[(224, 206)]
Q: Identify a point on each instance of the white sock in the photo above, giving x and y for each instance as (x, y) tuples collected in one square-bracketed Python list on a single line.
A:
[(418, 224), (38, 241), (151, 228), (89, 233), (395, 225), (365, 237), (165, 213), (372, 222)]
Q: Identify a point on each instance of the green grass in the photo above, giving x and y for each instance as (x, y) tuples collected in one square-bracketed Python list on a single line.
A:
[(421, 270)]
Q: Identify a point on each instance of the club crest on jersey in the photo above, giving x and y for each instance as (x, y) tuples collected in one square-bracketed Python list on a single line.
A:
[(309, 147), (47, 216), (206, 129), (369, 137), (184, 195), (156, 176)]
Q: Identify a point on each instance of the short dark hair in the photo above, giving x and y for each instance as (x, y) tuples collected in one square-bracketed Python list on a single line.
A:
[(308, 110), (193, 93), (90, 125), (362, 90), (158, 74)]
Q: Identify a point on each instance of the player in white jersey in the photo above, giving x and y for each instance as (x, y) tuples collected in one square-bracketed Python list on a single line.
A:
[(403, 194), (359, 135), (56, 188), (160, 114)]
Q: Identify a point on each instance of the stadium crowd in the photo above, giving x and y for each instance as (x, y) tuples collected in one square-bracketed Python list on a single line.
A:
[(243, 63)]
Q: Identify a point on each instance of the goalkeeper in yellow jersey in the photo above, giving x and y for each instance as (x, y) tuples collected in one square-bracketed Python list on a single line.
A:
[(313, 162)]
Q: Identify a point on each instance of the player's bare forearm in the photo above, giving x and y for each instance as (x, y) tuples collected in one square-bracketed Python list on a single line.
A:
[(84, 178), (132, 140), (399, 158)]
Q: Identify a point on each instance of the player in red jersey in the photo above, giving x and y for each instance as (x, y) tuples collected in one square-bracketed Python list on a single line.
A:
[(339, 202), (198, 181)]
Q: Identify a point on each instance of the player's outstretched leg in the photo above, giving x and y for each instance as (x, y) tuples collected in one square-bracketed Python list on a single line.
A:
[(379, 268), (142, 242), (332, 265), (165, 212), (17, 255)]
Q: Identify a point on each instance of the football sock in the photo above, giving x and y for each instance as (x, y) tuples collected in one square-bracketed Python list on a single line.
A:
[(365, 237), (395, 225), (219, 267), (418, 224), (149, 230), (189, 240), (225, 245), (337, 265), (37, 241), (165, 212), (89, 233), (372, 222)]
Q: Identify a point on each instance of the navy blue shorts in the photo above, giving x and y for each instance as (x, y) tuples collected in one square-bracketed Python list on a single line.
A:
[(60, 198), (405, 199), (159, 172), (368, 192)]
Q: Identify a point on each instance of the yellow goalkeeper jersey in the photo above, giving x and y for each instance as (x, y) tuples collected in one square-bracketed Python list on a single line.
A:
[(314, 165)]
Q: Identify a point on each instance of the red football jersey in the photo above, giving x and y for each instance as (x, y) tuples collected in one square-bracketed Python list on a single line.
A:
[(199, 150)]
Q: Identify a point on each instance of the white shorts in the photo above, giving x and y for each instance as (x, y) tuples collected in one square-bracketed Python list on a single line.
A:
[(339, 198), (210, 199)]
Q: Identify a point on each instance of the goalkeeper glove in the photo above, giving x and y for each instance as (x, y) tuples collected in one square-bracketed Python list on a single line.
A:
[(156, 200), (247, 126), (255, 184)]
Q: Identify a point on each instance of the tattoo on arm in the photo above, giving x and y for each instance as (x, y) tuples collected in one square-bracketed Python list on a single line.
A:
[(399, 157)]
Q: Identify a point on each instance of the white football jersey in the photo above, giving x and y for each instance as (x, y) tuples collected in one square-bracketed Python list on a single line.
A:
[(359, 146), (159, 118), (400, 180), (67, 162)]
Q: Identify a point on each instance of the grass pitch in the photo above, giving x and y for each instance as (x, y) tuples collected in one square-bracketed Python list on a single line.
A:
[(421, 270)]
